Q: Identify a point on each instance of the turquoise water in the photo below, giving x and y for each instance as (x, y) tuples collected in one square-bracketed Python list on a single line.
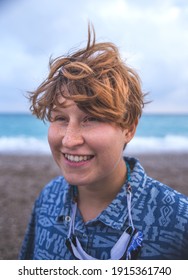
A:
[(163, 125), (24, 133), (15, 125)]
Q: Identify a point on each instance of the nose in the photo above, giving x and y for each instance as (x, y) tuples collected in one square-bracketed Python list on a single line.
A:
[(72, 137)]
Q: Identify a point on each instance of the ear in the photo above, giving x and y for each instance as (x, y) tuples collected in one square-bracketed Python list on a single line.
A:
[(130, 132)]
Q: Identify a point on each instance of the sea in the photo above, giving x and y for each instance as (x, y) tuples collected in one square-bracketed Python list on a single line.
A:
[(24, 134)]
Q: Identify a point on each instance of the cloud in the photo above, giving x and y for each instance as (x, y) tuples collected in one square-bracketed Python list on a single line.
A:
[(152, 35)]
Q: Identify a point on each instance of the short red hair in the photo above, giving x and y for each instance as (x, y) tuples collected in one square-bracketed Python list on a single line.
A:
[(97, 80)]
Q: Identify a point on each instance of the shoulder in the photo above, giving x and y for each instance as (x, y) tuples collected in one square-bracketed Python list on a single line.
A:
[(55, 185), (156, 197), (164, 192), (169, 202), (53, 192), (153, 187)]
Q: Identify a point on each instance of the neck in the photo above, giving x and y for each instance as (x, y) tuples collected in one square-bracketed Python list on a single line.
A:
[(93, 199)]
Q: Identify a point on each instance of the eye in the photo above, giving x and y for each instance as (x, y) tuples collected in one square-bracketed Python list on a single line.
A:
[(59, 119)]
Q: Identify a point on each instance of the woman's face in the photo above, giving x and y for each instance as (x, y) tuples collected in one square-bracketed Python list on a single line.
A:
[(87, 150)]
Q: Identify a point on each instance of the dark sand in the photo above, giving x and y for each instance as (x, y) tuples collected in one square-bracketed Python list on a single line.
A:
[(22, 178)]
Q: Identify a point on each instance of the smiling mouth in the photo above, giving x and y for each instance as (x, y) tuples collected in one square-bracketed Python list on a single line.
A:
[(77, 158)]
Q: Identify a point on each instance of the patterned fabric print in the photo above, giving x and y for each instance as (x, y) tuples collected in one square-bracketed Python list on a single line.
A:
[(158, 211)]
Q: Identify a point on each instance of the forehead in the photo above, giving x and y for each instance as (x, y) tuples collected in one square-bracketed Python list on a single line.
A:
[(63, 103)]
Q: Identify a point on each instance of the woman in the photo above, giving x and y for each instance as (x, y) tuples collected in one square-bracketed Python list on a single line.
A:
[(104, 206)]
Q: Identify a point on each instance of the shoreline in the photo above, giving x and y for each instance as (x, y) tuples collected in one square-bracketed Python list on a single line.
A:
[(23, 176)]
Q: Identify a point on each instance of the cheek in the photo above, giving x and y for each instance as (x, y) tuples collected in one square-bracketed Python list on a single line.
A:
[(108, 143), (53, 138)]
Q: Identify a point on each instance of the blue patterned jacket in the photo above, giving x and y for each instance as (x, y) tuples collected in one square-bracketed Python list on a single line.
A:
[(160, 212)]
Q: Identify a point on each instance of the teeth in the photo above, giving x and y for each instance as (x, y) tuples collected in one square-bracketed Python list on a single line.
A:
[(77, 158)]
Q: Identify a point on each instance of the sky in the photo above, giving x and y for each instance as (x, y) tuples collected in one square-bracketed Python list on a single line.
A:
[(152, 37)]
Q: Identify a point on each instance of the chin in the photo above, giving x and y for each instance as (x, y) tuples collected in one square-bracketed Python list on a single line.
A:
[(74, 181)]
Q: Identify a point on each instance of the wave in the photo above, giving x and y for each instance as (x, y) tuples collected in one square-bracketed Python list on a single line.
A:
[(23, 145), (168, 143), (32, 145)]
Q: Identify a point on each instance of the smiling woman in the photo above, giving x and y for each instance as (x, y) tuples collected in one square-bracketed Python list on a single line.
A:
[(80, 145), (104, 206)]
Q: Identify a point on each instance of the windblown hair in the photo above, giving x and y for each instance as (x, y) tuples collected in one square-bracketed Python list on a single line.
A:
[(97, 80)]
